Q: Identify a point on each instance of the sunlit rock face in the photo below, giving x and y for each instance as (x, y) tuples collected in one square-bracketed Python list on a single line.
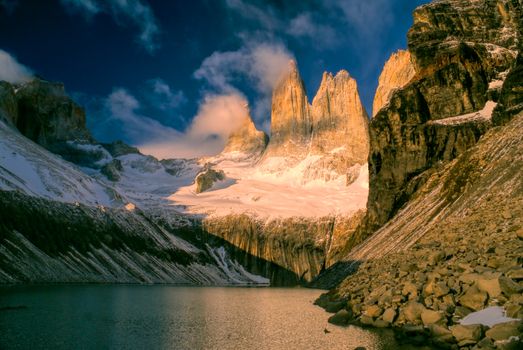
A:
[(301, 246), (462, 51), (246, 140), (291, 120), (339, 121), (330, 136), (397, 72)]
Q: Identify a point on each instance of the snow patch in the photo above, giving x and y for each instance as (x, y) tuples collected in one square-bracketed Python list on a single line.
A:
[(483, 115), (490, 316)]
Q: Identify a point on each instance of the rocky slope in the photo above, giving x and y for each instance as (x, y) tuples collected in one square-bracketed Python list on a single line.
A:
[(456, 248), (445, 251)]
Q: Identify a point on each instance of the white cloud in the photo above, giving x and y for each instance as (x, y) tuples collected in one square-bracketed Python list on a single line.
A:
[(217, 117), (262, 64), (136, 12), (11, 70)]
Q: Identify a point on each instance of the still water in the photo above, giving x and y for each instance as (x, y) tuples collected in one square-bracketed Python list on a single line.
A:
[(171, 317)]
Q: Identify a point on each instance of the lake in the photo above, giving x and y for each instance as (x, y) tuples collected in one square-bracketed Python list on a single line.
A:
[(172, 317)]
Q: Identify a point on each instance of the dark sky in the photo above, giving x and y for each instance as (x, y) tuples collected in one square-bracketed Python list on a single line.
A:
[(141, 66)]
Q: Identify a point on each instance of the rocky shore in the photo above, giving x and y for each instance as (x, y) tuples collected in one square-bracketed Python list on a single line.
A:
[(427, 293)]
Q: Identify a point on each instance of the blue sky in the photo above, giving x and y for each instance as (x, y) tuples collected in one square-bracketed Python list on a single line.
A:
[(165, 74)]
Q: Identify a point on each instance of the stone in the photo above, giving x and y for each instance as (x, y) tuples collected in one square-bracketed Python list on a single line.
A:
[(519, 233), (514, 311), (334, 306), (429, 317), (469, 332), (410, 290), (389, 315), (412, 311), (490, 286), (508, 286), (373, 311), (366, 320), (435, 257), (505, 330), (441, 289), (473, 299), (515, 274), (340, 318), (206, 179)]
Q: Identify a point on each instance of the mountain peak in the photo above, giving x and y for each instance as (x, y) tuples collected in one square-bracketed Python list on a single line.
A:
[(246, 140)]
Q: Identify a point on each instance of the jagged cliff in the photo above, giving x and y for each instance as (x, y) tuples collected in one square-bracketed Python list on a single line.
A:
[(328, 138), (458, 70), (444, 211)]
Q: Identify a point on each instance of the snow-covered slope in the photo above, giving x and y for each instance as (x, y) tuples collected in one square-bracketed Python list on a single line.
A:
[(60, 224), (281, 193), (27, 167)]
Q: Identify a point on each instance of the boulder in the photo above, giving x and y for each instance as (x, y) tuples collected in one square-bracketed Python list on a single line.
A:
[(509, 287), (412, 311), (470, 332), (341, 318), (504, 331), (429, 317), (373, 311), (207, 178), (473, 298), (389, 315)]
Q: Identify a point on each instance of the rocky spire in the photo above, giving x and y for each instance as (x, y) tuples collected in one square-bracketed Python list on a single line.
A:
[(339, 121), (397, 72), (246, 139), (290, 115)]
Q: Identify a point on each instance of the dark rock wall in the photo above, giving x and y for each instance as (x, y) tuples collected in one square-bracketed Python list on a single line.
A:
[(458, 47)]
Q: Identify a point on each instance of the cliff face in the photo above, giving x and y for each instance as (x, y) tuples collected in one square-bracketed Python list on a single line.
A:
[(339, 121), (303, 246), (47, 115), (290, 116), (445, 108), (397, 72), (8, 104)]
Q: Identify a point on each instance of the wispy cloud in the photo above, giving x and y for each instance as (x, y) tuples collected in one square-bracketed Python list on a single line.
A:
[(136, 12), (217, 117), (163, 97), (11, 70), (261, 64)]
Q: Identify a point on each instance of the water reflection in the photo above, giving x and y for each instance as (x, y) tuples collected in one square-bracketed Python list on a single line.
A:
[(168, 317)]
